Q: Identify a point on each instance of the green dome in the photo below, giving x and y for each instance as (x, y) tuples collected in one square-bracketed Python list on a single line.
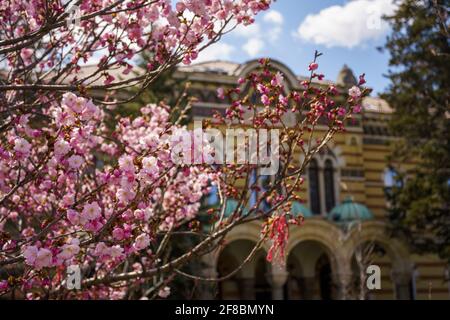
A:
[(299, 209), (231, 207), (349, 211)]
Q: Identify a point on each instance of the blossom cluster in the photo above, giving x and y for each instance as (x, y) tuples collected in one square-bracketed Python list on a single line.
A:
[(80, 188), (114, 33), (73, 191), (261, 100), (142, 191)]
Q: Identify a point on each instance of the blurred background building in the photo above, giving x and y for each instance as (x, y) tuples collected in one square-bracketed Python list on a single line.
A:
[(346, 207)]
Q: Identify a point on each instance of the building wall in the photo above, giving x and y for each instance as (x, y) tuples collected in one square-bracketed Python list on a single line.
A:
[(362, 158)]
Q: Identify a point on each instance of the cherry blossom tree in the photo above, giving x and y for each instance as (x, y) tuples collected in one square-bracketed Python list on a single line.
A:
[(73, 191)]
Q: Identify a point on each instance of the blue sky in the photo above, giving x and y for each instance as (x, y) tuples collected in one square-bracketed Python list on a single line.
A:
[(346, 32)]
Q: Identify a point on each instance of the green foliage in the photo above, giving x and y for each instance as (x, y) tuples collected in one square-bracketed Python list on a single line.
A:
[(419, 93), (164, 89)]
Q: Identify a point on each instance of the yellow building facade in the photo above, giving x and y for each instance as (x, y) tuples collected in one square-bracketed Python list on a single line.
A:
[(347, 181)]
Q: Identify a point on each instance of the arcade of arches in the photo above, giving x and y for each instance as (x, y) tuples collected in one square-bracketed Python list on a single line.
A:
[(321, 263), (346, 182)]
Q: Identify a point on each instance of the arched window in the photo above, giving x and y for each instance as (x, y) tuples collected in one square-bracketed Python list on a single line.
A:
[(389, 177), (263, 291), (213, 196), (262, 184), (330, 200), (266, 182), (314, 188), (391, 180), (254, 193)]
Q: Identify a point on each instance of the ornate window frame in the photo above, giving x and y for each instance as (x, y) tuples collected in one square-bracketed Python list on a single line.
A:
[(322, 158)]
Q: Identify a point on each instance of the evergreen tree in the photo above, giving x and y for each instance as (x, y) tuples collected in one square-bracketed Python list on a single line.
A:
[(419, 93)]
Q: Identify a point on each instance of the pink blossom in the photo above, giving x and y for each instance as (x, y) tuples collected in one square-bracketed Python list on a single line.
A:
[(362, 79), (283, 100), (91, 211), (101, 249), (44, 259), (75, 161), (342, 112), (277, 80), (357, 109), (3, 285), (116, 252), (313, 66), (125, 195), (78, 106), (143, 214), (39, 258), (69, 250), (118, 234), (150, 165), (126, 163), (62, 147), (68, 99), (109, 79), (164, 292), (142, 242), (22, 147), (30, 254), (221, 93), (262, 88), (73, 216), (265, 100), (90, 110), (26, 54), (354, 92)]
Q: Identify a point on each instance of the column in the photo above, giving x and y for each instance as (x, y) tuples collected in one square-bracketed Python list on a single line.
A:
[(277, 280), (247, 288), (342, 279), (402, 281), (308, 287), (208, 290)]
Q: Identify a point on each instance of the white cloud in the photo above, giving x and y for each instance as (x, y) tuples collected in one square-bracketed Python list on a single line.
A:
[(250, 31), (253, 47), (274, 21), (274, 33), (217, 51), (260, 34), (274, 17), (349, 25)]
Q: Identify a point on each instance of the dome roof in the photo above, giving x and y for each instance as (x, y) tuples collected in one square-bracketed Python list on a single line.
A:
[(349, 211), (231, 207), (346, 78), (297, 208)]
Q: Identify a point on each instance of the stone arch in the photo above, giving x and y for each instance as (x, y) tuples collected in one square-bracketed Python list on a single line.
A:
[(252, 65), (241, 284), (332, 153), (310, 246), (400, 265), (251, 281), (247, 231), (322, 232), (377, 231)]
